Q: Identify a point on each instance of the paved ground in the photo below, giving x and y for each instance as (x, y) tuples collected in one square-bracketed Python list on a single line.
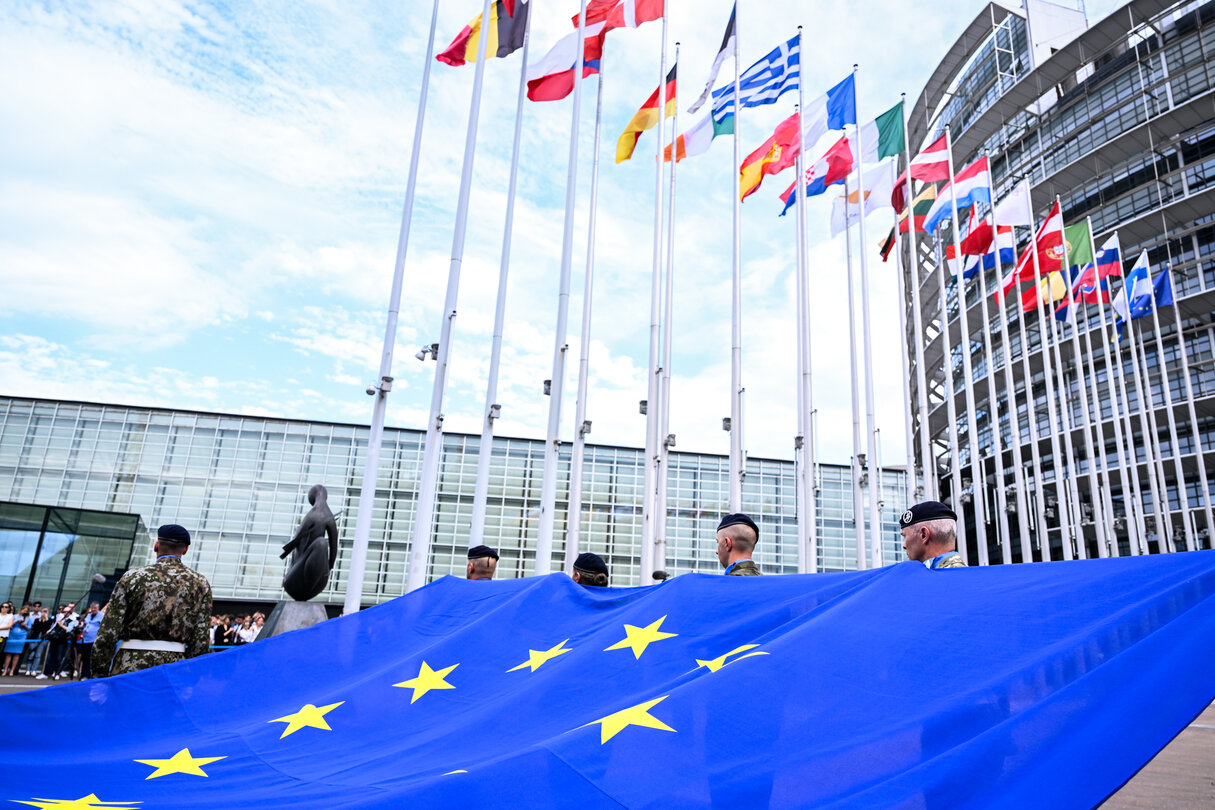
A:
[(1181, 777)]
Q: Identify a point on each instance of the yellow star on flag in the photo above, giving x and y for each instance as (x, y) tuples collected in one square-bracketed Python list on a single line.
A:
[(537, 657), (427, 679), (638, 638), (181, 762), (638, 715), (308, 716), (717, 663), (89, 802)]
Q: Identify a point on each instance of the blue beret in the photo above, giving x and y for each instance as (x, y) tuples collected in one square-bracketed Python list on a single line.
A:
[(736, 518), (477, 552), (591, 563), (928, 510), (173, 533)]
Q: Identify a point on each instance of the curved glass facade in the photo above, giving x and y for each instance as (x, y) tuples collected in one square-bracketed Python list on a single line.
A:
[(1119, 125)]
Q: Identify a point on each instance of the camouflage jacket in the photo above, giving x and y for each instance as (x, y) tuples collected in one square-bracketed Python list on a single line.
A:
[(950, 559), (744, 568), (165, 601)]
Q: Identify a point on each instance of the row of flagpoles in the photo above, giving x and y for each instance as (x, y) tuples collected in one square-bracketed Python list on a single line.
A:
[(868, 152)]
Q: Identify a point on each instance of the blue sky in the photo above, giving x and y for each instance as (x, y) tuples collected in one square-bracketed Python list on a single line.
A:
[(200, 203)]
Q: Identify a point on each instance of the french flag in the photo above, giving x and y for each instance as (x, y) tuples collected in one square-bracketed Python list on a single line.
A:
[(969, 186), (833, 167)]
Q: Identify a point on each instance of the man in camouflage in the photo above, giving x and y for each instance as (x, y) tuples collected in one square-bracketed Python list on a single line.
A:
[(737, 535), (159, 612), (930, 535)]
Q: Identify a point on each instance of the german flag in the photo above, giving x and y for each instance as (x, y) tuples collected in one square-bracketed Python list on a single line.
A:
[(644, 119), (507, 25)]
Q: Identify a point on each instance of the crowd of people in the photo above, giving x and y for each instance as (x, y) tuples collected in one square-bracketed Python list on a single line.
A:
[(46, 645), (232, 631)]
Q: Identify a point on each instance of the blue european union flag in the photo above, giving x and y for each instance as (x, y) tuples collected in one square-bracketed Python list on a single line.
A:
[(1005, 686)]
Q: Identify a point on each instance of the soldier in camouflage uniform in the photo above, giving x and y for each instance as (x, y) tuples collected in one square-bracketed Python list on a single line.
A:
[(930, 535), (737, 535), (159, 612)]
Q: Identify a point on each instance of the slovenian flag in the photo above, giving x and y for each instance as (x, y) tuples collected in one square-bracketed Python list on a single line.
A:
[(969, 186), (832, 168)]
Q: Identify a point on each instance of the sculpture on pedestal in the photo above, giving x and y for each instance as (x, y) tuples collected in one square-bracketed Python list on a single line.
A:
[(315, 549)]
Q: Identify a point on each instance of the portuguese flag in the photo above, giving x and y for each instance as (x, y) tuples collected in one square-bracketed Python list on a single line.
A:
[(507, 25)]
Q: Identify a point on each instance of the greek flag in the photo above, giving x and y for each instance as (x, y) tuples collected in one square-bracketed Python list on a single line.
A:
[(762, 83)]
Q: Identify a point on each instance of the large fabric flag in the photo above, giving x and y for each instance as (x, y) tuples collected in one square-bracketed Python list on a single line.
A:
[(1138, 291), (830, 112), (645, 118), (1050, 250), (1064, 678), (762, 83), (507, 25), (970, 186), (552, 76), (882, 137), (727, 48), (622, 13), (773, 156), (832, 168), (880, 180)]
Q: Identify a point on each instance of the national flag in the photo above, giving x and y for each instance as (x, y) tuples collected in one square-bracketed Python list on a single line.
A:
[(830, 112), (645, 117), (1138, 292), (1016, 208), (696, 141), (1108, 263), (877, 196), (762, 83), (621, 13), (538, 692), (919, 209), (1078, 244), (1052, 288), (552, 77), (506, 31), (970, 186), (832, 168), (988, 249), (1050, 248), (727, 48), (932, 163), (882, 137), (773, 156)]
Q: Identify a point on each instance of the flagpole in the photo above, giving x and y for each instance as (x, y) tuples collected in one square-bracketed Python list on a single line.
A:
[(476, 532), (928, 464), (736, 449), (573, 532), (807, 513), (1099, 526), (1194, 433), (548, 485), (978, 485), (1098, 419), (1065, 541), (951, 407), (362, 528), (419, 552), (1172, 420), (664, 394), (649, 529), (909, 438), (1147, 424), (1137, 539), (858, 491), (1145, 435), (875, 474), (1014, 422)]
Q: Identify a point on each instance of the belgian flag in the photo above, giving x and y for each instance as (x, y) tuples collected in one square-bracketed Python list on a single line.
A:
[(645, 118), (507, 25)]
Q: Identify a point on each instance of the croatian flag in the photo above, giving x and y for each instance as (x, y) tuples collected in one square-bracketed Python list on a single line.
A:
[(971, 185), (833, 167)]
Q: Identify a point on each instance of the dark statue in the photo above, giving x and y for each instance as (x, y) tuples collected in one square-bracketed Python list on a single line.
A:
[(308, 571)]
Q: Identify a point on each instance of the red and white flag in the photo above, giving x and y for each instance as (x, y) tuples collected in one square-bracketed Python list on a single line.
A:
[(621, 13), (930, 165), (1050, 248)]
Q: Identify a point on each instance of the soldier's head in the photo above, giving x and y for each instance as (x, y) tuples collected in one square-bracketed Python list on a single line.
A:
[(171, 541), (929, 529), (482, 563), (590, 569), (737, 535)]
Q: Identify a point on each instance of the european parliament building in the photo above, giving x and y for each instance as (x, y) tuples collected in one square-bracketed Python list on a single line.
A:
[(1116, 119), (239, 484)]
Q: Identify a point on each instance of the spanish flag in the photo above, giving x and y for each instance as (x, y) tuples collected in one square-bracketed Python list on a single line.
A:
[(773, 155), (507, 25), (644, 119)]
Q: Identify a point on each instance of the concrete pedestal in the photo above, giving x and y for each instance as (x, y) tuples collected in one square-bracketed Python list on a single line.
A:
[(288, 616)]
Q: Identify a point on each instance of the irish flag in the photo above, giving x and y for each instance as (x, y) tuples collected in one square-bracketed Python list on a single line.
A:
[(695, 141)]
